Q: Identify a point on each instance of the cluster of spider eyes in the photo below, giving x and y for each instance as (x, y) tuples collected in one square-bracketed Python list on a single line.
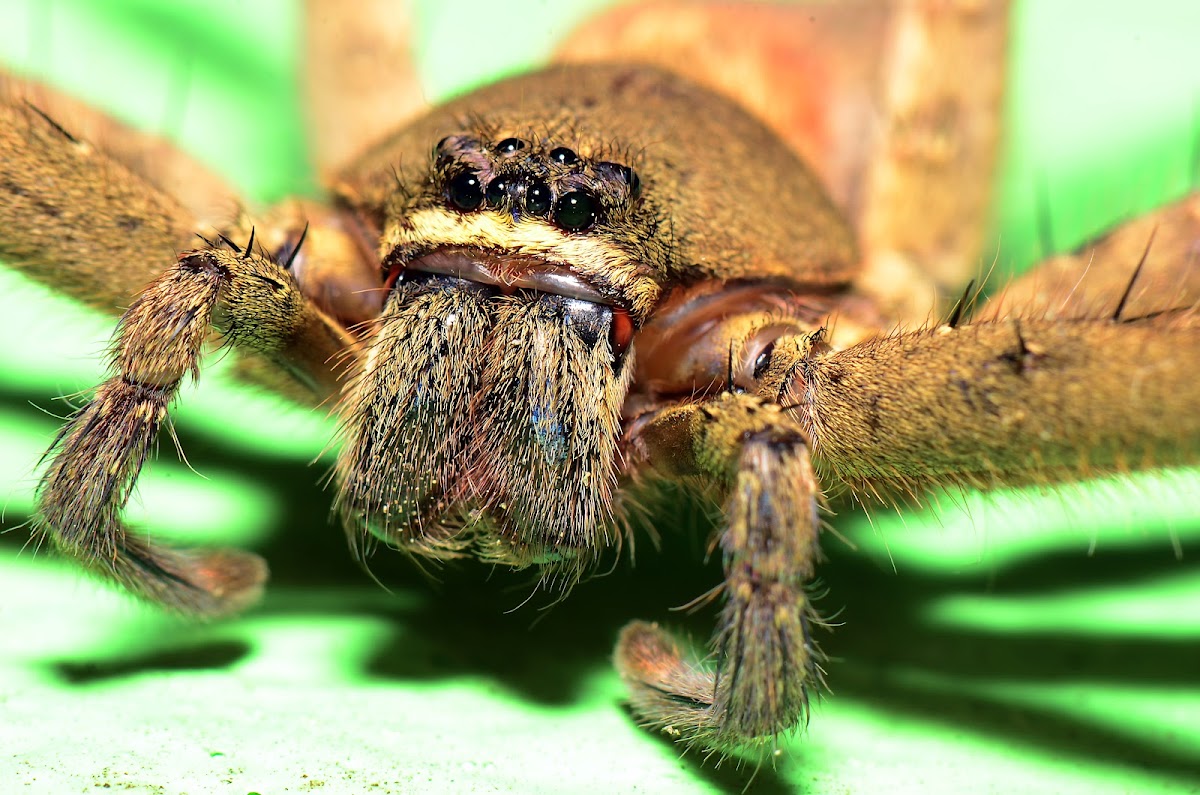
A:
[(576, 210)]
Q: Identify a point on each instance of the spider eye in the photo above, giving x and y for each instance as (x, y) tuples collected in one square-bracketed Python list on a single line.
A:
[(464, 191), (619, 171), (497, 189), (563, 156), (537, 198), (635, 183), (510, 145), (575, 211), (763, 361)]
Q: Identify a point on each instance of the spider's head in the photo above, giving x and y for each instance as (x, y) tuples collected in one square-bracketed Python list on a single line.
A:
[(488, 414), (549, 209)]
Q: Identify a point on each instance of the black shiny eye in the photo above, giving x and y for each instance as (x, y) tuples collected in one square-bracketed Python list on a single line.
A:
[(464, 191), (635, 184), (497, 189), (537, 198), (509, 145), (575, 211), (618, 171), (564, 156), (763, 361), (444, 150)]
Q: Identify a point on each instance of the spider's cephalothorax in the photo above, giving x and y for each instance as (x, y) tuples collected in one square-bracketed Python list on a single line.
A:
[(520, 261)]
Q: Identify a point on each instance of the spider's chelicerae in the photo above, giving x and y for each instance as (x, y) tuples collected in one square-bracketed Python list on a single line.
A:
[(538, 302)]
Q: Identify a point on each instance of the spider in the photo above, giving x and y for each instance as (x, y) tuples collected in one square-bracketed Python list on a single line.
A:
[(735, 372)]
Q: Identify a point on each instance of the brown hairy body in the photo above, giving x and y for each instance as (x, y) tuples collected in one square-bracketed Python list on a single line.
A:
[(509, 365)]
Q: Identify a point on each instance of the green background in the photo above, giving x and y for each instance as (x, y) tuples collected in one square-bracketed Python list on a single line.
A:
[(1030, 642)]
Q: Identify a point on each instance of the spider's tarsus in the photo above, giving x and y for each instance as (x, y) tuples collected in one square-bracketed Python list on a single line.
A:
[(200, 583)]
